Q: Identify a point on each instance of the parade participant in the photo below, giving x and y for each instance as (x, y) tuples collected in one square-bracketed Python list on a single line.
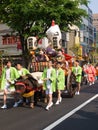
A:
[(9, 74), (60, 82), (84, 74), (91, 72), (22, 72), (50, 50), (49, 78), (65, 67), (96, 71), (60, 57), (77, 71), (42, 57)]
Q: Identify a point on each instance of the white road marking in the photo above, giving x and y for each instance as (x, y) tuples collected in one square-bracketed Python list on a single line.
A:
[(51, 126)]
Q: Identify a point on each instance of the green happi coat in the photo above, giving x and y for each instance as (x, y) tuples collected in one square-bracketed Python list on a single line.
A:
[(52, 78), (13, 75), (25, 71), (78, 73), (60, 79)]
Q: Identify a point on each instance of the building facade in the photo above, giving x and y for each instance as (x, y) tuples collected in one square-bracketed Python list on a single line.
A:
[(9, 42), (95, 23), (87, 31)]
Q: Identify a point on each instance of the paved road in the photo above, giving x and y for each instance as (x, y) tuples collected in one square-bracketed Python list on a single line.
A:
[(84, 119), (38, 118)]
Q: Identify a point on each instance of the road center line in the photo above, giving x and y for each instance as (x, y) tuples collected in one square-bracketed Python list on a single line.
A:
[(51, 126)]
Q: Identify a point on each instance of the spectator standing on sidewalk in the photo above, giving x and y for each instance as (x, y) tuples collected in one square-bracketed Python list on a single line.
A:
[(49, 78), (9, 74), (77, 71), (60, 82)]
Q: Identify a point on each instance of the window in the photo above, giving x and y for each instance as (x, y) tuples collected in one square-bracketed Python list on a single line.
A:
[(8, 40)]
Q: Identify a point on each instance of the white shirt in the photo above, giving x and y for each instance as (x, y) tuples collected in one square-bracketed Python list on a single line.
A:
[(49, 73), (20, 72), (48, 76), (7, 74), (76, 70)]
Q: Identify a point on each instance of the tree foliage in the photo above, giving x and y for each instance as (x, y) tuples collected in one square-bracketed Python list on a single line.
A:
[(33, 17)]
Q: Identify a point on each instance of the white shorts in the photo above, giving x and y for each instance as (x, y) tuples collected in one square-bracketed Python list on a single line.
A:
[(7, 86), (49, 91)]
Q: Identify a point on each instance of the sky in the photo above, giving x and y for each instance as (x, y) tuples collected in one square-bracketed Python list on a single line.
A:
[(94, 6)]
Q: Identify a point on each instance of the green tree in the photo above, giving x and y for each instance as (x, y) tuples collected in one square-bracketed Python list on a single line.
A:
[(33, 17)]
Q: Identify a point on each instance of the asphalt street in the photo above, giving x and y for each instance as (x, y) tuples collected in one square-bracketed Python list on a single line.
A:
[(25, 118), (84, 119)]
